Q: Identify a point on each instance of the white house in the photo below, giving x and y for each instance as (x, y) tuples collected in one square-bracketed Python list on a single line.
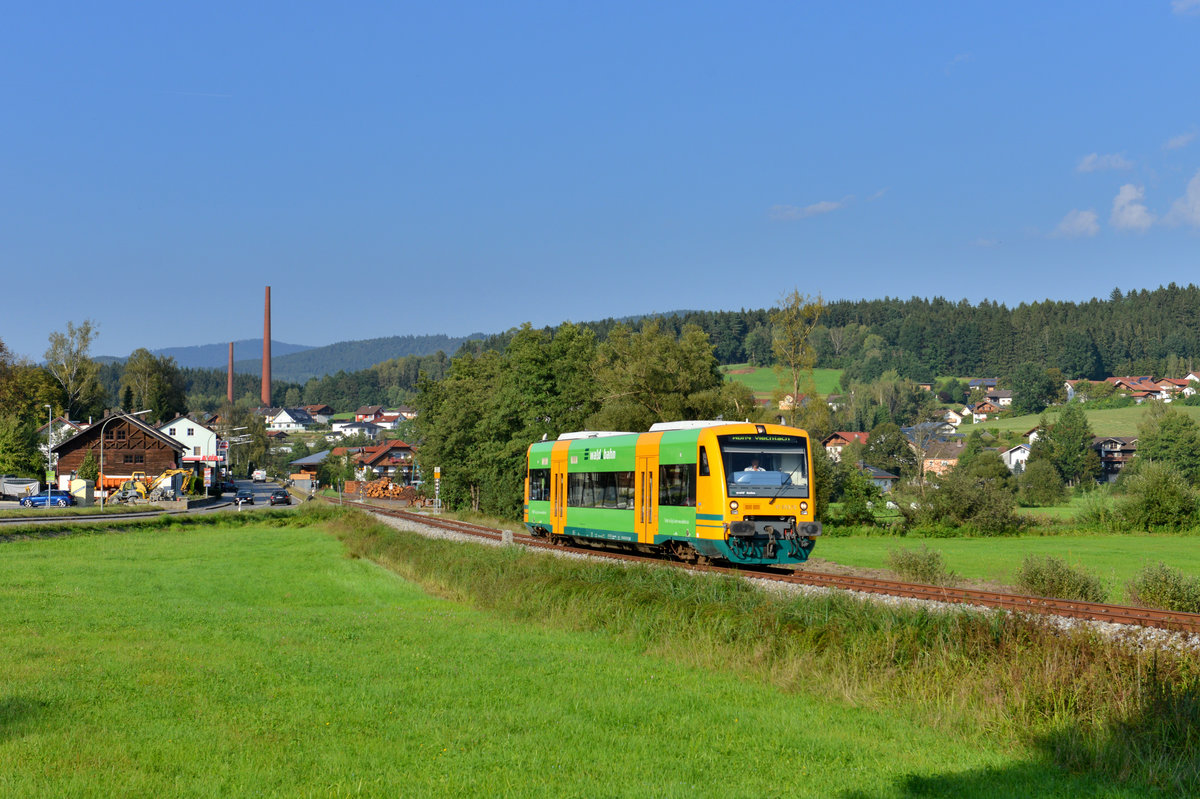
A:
[(1016, 457), (347, 428), (201, 443), (290, 419)]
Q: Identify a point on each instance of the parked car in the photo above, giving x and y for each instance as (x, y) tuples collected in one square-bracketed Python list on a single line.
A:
[(281, 497), (45, 499), (228, 487), (244, 497)]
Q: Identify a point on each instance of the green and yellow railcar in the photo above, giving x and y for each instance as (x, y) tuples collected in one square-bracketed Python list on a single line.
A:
[(735, 492)]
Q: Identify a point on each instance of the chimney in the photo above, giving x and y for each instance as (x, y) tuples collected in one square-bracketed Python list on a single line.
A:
[(266, 369), (229, 386)]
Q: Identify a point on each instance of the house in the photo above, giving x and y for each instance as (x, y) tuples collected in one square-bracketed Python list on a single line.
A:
[(884, 480), (306, 468), (834, 443), (121, 444), (980, 411), (368, 429), (1001, 397), (951, 417), (1172, 387), (319, 413), (1032, 435), (278, 440), (985, 383), (942, 456), (290, 419), (392, 459), (408, 413), (1015, 457), (200, 442), (61, 428), (368, 413), (1115, 452)]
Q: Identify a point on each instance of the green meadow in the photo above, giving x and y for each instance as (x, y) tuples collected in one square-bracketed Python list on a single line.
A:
[(1104, 422), (764, 381), (265, 661)]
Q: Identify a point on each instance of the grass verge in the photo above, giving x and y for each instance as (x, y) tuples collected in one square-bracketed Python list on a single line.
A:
[(1078, 699)]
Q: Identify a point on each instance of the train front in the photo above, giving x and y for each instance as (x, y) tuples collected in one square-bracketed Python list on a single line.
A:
[(768, 504)]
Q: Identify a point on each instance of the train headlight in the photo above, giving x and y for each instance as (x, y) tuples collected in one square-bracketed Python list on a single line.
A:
[(733, 506), (804, 507)]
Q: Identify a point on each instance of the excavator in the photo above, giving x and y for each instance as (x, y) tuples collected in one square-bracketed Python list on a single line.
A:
[(163, 487)]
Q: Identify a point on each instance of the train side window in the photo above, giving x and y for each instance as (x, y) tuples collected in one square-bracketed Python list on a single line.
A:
[(703, 462)]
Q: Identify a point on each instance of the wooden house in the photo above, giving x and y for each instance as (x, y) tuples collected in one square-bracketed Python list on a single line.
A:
[(122, 444)]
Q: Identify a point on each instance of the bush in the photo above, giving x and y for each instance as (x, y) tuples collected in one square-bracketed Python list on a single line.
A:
[(1157, 497), (1040, 486), (960, 498), (922, 565), (1099, 513), (1166, 588), (1052, 577)]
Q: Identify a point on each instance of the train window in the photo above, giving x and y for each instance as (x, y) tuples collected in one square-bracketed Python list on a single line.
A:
[(765, 465), (703, 462), (539, 485), (677, 485), (600, 490)]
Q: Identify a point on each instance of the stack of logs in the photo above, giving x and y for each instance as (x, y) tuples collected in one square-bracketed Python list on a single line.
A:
[(384, 488)]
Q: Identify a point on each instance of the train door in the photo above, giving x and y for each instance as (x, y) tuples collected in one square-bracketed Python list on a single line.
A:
[(558, 488), (646, 487)]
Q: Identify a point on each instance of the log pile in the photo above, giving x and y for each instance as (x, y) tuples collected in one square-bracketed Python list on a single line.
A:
[(384, 488)]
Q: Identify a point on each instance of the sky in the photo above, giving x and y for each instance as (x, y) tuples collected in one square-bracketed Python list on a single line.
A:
[(399, 168)]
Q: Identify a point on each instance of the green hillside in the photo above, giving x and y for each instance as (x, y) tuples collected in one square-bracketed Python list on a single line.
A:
[(1107, 422), (764, 381)]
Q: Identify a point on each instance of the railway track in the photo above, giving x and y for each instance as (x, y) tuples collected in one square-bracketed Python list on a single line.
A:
[(1114, 614)]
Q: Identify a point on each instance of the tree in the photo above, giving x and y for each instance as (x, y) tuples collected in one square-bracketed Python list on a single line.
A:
[(1172, 437), (795, 356), (1033, 389), (89, 468), (1040, 486), (888, 448), (759, 346), (1157, 497), (1067, 445), (154, 382), (19, 452), (68, 362)]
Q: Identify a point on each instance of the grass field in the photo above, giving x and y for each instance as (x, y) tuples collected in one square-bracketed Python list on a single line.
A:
[(263, 661), (1113, 558), (764, 381), (1107, 422)]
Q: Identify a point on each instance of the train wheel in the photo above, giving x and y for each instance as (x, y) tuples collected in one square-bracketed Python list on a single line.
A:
[(683, 552)]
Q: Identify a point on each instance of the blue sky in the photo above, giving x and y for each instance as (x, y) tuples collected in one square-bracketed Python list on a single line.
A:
[(393, 168)]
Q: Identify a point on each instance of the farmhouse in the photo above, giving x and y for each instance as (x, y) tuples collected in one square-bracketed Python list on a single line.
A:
[(122, 444)]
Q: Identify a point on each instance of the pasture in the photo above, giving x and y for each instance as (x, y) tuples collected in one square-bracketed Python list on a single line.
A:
[(211, 661), (1115, 559), (1104, 422), (764, 380)]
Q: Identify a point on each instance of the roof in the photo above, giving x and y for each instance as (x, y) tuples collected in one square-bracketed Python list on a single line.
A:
[(315, 459), (984, 382), (875, 473), (861, 438), (1001, 393), (368, 410), (373, 455), (298, 415), (945, 450)]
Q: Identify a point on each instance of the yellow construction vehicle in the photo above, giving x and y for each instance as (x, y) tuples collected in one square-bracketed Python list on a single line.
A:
[(163, 487)]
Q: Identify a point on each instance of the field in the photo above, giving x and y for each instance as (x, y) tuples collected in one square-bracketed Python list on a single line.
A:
[(1115, 559), (1106, 422), (263, 661), (764, 381)]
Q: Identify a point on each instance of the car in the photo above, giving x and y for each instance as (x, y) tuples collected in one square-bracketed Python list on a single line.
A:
[(228, 487), (281, 497), (244, 497), (45, 499)]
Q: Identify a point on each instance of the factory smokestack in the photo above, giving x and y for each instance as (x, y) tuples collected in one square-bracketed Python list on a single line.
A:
[(229, 387), (266, 370)]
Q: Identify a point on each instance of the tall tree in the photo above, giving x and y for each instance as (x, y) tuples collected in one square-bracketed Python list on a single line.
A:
[(1170, 436), (154, 382), (1067, 444), (68, 361), (795, 355), (1032, 387)]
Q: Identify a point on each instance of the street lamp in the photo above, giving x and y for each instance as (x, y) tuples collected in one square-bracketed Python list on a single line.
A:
[(102, 426), (49, 445)]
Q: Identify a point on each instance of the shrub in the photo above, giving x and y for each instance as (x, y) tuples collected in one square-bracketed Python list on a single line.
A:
[(922, 565), (1098, 512), (1052, 577), (1162, 587), (1040, 486), (1157, 497)]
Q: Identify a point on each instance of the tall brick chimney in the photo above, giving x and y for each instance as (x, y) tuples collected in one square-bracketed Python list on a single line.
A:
[(266, 369), (229, 387)]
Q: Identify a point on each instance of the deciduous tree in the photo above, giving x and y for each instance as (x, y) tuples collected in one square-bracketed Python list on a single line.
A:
[(67, 360)]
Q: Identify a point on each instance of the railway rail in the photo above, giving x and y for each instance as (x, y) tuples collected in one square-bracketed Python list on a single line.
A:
[(1092, 611)]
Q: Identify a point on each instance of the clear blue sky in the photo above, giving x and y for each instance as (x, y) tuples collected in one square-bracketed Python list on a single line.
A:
[(394, 168)]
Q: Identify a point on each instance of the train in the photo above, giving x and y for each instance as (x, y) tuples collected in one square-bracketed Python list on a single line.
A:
[(699, 491)]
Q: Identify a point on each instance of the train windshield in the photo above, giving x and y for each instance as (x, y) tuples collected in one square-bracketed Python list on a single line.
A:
[(765, 465)]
